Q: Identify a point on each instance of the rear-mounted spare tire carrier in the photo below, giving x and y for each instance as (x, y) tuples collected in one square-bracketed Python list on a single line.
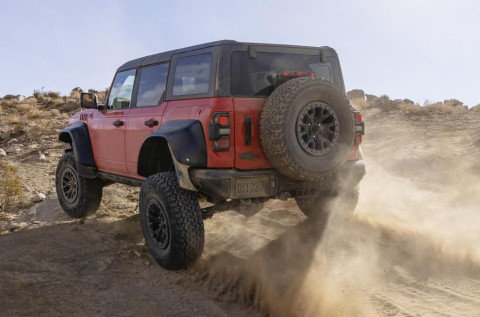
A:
[(307, 128)]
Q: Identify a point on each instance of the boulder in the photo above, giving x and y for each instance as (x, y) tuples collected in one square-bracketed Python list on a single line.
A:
[(14, 149), (356, 94), (38, 197)]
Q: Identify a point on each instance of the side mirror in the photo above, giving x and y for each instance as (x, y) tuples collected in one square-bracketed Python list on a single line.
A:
[(88, 100)]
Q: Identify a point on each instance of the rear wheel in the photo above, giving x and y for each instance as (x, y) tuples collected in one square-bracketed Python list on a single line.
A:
[(78, 196), (320, 204), (171, 220)]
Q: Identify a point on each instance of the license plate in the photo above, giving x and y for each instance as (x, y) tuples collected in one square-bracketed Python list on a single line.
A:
[(251, 187)]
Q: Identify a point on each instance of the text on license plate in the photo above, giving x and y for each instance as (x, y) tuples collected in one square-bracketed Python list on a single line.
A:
[(251, 187)]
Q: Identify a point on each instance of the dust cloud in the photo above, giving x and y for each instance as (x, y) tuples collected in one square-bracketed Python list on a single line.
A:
[(411, 247)]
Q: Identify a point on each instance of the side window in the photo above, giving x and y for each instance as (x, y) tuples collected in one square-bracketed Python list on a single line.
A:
[(122, 88), (151, 89), (192, 75)]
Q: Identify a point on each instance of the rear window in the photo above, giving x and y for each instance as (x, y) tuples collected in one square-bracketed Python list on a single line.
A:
[(151, 89), (192, 75), (259, 76)]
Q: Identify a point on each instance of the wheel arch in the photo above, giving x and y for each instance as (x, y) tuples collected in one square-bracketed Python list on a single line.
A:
[(175, 146), (79, 139)]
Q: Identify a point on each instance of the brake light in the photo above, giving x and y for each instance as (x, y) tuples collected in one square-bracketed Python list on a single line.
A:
[(358, 118), (359, 128), (219, 131), (223, 120)]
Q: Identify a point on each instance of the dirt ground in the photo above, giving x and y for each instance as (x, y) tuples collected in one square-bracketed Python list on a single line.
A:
[(410, 249)]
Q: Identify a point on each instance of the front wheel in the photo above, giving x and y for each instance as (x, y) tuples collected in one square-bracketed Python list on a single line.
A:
[(78, 196), (171, 220)]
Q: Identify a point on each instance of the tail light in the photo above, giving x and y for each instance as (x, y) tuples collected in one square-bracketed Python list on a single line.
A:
[(219, 131), (359, 128)]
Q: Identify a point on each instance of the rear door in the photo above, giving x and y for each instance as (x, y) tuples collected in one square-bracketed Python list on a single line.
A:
[(146, 115), (108, 126)]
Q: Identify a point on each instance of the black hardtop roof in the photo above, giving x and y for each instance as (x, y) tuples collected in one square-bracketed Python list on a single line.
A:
[(166, 56)]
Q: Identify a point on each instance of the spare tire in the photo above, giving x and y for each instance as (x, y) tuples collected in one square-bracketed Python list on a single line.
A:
[(307, 128)]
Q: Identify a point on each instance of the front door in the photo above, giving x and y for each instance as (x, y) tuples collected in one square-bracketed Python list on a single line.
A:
[(108, 126)]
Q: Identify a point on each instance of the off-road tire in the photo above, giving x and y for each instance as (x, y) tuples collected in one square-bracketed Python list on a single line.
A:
[(174, 214), (78, 196), (279, 128), (320, 204)]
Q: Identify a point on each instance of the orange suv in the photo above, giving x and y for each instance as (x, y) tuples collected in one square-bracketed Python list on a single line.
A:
[(230, 123)]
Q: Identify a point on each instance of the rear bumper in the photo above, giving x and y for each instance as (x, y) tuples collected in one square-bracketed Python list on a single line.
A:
[(223, 184)]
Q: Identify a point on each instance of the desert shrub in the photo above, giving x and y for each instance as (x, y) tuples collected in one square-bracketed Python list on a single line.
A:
[(10, 186), (384, 103), (74, 94), (45, 128), (70, 106), (439, 107), (10, 97), (8, 103), (13, 118), (52, 113), (38, 93), (409, 107), (25, 107), (53, 94)]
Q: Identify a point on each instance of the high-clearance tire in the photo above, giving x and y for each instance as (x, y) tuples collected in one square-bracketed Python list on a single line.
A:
[(78, 196), (171, 220), (320, 204), (307, 128)]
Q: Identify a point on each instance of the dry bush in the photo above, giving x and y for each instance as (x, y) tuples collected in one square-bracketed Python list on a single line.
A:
[(25, 107), (75, 94), (10, 186), (70, 106), (44, 128), (53, 94), (384, 103), (441, 108), (8, 104), (34, 114), (13, 118), (409, 107)]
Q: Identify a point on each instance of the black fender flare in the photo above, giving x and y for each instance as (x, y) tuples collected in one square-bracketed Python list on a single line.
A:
[(185, 141), (77, 135)]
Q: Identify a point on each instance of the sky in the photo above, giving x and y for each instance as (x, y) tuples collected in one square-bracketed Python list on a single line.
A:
[(424, 50)]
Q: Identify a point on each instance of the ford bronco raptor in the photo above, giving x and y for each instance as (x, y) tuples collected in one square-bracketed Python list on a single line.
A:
[(225, 124)]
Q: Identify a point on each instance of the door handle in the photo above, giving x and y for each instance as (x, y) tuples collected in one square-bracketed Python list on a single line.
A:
[(151, 123), (118, 123)]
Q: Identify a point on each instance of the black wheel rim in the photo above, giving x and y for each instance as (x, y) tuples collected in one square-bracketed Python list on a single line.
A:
[(158, 224), (317, 128), (70, 184)]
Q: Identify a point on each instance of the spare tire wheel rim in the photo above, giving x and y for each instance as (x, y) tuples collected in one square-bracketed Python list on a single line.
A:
[(317, 128), (158, 223), (70, 184)]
